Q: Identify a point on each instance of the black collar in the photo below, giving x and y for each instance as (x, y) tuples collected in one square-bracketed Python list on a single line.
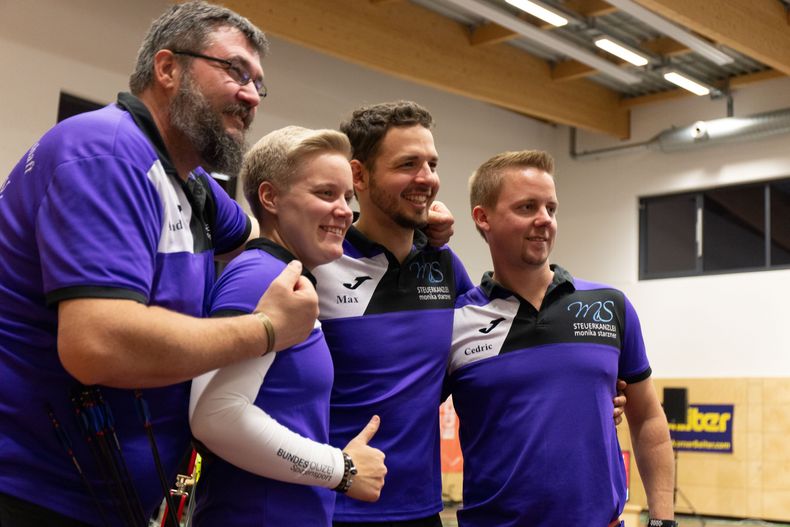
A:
[(370, 248), (494, 289), (279, 252), (194, 187), (142, 117)]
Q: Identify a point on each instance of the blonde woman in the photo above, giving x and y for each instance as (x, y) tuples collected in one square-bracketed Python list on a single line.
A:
[(266, 420)]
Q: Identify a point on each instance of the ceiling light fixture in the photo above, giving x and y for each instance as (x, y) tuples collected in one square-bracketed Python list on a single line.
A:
[(687, 84), (539, 11), (621, 51), (546, 39), (683, 36)]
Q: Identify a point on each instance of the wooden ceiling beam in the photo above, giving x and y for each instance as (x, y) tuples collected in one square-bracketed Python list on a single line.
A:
[(414, 43), (490, 33), (665, 46), (750, 78), (574, 70), (734, 82), (570, 70), (590, 8), (756, 28)]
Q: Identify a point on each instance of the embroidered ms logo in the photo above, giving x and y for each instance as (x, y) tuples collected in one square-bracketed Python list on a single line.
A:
[(430, 271), (599, 311)]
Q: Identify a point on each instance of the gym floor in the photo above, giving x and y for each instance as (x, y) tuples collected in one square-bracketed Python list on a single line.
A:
[(448, 519), (690, 521)]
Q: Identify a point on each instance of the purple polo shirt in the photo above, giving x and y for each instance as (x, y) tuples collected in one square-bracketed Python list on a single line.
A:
[(95, 209)]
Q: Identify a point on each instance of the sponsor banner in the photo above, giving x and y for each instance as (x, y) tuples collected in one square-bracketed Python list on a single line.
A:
[(627, 463), (452, 462), (708, 428)]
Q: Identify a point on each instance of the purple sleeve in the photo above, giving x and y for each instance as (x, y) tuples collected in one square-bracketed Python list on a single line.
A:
[(97, 230), (633, 366), (243, 282), (232, 226)]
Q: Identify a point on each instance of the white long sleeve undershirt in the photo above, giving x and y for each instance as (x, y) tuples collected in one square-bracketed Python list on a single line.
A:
[(224, 417)]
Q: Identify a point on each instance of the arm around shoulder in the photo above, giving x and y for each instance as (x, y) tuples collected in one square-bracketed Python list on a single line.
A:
[(125, 344)]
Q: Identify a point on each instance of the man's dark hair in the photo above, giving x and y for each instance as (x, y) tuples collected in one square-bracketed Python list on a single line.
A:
[(368, 125), (187, 27)]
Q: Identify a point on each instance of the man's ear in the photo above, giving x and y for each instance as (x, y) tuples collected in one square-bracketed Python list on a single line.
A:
[(360, 175), (167, 70), (480, 217), (267, 196)]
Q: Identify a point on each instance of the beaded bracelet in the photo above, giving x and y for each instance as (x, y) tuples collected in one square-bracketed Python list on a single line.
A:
[(349, 471)]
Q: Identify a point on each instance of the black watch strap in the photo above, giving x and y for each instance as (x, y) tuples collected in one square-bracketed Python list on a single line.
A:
[(661, 523)]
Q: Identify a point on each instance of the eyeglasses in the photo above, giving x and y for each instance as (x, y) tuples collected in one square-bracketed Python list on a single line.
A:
[(235, 70)]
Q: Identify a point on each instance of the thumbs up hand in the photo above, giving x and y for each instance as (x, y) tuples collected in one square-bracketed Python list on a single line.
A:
[(369, 462)]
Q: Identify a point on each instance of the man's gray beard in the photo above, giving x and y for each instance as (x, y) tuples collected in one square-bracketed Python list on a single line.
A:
[(192, 115)]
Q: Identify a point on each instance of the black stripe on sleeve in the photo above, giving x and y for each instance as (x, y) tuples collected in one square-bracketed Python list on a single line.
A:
[(633, 379), (220, 313), (69, 293)]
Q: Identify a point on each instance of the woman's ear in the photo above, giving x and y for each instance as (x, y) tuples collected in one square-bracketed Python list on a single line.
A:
[(267, 196)]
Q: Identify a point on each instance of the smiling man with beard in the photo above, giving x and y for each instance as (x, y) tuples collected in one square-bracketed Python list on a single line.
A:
[(109, 226), (386, 307)]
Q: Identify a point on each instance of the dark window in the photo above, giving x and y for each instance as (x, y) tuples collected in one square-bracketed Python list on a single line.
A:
[(670, 245), (728, 229), (71, 105), (733, 227), (780, 223)]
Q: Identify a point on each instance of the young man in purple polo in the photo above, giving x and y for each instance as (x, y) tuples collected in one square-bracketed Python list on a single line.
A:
[(535, 359)]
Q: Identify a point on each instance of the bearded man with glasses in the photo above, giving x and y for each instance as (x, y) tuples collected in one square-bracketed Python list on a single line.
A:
[(109, 226)]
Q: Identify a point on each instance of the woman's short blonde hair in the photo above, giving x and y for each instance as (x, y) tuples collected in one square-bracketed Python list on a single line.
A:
[(277, 156)]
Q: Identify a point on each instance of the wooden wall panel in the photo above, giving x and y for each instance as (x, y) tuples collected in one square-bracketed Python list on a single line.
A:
[(754, 480)]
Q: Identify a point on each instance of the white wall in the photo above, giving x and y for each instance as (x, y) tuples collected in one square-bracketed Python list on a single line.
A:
[(716, 326), (727, 325), (82, 47)]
